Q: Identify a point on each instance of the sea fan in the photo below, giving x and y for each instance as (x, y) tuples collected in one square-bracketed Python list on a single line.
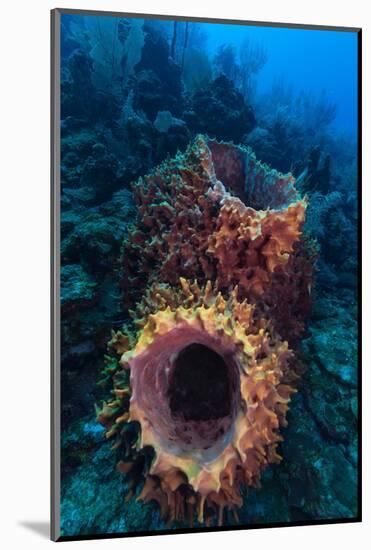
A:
[(113, 57)]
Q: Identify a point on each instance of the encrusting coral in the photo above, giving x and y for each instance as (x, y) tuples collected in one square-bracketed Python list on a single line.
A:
[(219, 280)]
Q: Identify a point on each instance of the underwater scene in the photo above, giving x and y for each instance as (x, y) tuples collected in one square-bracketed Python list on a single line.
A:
[(208, 275)]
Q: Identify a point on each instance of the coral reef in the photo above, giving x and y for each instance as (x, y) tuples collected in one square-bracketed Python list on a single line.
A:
[(210, 375), (131, 97), (91, 239)]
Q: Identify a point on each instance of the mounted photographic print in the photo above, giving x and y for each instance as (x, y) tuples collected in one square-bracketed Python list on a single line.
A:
[(206, 202)]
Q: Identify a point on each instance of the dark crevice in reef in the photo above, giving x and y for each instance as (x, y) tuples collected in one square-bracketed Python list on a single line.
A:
[(199, 388)]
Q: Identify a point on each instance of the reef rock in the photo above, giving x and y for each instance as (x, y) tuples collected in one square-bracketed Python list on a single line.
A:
[(220, 110), (157, 81)]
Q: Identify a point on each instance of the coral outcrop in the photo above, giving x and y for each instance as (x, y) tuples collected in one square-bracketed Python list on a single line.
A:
[(157, 81), (219, 281), (220, 109)]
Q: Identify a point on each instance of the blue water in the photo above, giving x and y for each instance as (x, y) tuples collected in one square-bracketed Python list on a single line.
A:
[(308, 60)]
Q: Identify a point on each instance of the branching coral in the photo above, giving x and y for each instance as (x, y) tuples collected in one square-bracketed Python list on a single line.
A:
[(219, 291)]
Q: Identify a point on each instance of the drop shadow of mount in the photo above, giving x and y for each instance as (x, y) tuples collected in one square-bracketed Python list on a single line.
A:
[(41, 528)]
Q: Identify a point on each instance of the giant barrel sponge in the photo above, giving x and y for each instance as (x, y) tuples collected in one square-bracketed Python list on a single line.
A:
[(217, 278)]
